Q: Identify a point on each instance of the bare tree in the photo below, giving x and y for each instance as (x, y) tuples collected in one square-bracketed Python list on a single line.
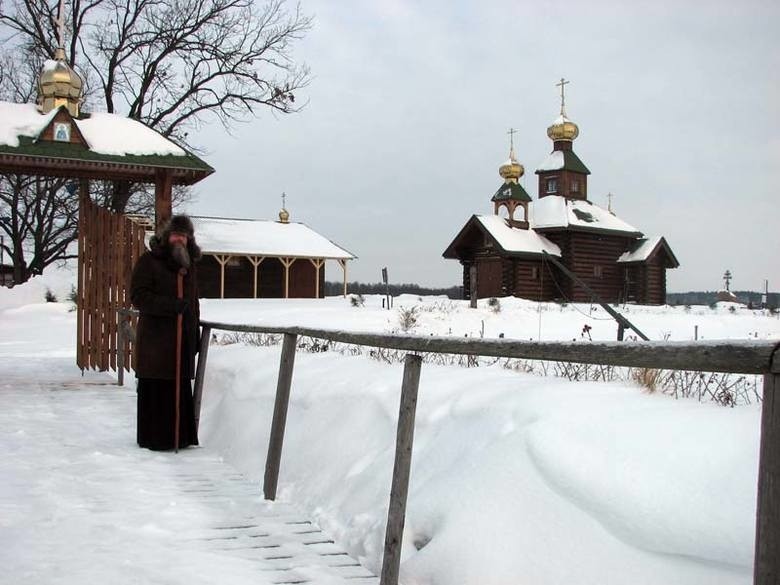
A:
[(171, 64), (39, 217)]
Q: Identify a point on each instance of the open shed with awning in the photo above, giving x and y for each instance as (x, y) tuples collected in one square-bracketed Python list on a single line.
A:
[(248, 258)]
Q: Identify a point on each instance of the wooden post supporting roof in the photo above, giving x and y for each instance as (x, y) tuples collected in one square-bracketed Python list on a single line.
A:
[(344, 268), (255, 261), (163, 199), (318, 262), (223, 259), (287, 262)]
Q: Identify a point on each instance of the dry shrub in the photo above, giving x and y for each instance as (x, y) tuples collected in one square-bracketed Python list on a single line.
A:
[(647, 378)]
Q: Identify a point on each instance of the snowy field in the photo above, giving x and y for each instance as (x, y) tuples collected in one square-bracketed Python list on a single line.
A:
[(516, 478)]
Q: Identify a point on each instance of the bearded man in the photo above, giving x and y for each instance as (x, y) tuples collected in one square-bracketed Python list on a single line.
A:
[(154, 291)]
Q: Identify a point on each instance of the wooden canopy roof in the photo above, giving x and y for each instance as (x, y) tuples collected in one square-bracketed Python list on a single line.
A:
[(98, 146)]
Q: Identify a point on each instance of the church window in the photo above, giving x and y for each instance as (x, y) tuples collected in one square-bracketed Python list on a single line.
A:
[(575, 186), (598, 272), (534, 273), (234, 262), (552, 185)]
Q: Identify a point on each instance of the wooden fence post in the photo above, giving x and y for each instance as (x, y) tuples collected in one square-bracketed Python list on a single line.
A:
[(283, 384), (120, 352), (396, 516), (766, 570), (203, 354), (473, 275)]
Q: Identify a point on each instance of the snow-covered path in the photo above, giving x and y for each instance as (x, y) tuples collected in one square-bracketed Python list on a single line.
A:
[(81, 503)]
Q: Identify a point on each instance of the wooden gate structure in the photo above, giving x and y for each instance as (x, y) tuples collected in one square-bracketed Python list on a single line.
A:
[(108, 242), (109, 245)]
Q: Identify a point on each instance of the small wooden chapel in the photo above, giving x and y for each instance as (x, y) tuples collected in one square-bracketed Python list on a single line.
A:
[(508, 253)]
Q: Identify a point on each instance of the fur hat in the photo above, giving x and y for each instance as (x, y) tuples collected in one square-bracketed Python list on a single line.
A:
[(180, 224)]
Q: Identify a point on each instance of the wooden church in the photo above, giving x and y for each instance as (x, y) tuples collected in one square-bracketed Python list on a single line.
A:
[(511, 252)]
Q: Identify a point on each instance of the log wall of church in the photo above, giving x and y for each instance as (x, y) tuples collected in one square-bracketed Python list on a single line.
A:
[(593, 258), (533, 279), (490, 277)]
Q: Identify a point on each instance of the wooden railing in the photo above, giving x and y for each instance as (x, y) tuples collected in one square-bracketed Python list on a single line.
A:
[(746, 357)]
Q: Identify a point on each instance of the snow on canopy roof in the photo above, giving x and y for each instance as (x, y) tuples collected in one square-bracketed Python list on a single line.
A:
[(114, 134), (513, 239), (554, 211), (254, 237), (553, 162), (21, 120), (641, 250), (109, 134)]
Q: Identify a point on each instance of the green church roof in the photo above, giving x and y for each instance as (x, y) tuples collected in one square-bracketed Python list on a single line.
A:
[(562, 160), (511, 191)]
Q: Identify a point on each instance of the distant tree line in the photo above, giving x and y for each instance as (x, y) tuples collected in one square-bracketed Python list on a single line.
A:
[(456, 292), (708, 297), (355, 288)]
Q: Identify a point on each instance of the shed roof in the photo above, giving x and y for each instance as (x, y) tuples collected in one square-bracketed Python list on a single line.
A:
[(255, 237), (555, 212), (644, 249), (511, 240), (116, 146)]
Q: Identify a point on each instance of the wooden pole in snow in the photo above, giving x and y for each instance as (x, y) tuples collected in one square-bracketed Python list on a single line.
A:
[(396, 516), (766, 569), (203, 354), (273, 460)]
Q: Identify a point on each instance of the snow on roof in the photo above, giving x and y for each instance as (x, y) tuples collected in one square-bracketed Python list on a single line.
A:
[(21, 120), (110, 134), (263, 238), (553, 162), (514, 239), (561, 120), (119, 135), (642, 251), (555, 211)]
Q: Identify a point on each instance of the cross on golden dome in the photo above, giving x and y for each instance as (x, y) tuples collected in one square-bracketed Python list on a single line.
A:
[(563, 128), (511, 170), (562, 84)]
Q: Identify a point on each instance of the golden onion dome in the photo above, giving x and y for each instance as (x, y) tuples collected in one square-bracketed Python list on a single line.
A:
[(511, 170), (563, 129), (284, 216), (59, 85)]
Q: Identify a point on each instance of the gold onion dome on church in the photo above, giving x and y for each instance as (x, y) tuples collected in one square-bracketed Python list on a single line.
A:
[(511, 169), (59, 85), (284, 216), (563, 129)]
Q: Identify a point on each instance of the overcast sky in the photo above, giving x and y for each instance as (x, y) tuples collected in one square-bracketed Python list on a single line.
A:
[(410, 102)]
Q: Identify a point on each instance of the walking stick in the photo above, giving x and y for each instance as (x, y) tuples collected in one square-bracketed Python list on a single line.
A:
[(179, 323)]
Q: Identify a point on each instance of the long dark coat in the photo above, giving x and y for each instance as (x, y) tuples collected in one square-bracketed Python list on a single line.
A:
[(153, 293)]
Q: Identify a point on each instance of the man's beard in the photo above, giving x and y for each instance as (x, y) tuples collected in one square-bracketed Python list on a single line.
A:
[(181, 255)]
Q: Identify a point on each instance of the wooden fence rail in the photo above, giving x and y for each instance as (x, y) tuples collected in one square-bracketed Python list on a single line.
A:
[(745, 357)]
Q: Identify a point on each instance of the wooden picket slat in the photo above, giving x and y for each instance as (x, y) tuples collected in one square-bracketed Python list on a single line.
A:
[(109, 246)]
